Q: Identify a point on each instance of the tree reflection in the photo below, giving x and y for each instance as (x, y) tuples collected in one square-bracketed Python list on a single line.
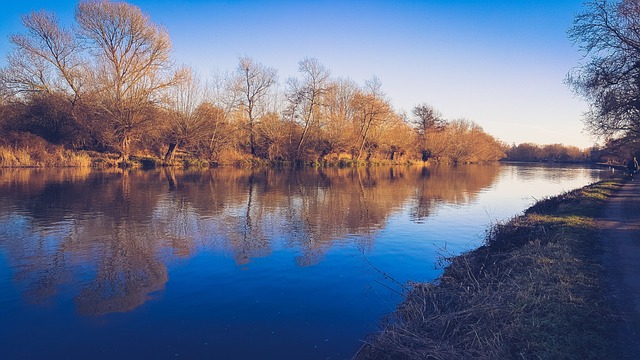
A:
[(109, 235), (450, 184), (127, 267)]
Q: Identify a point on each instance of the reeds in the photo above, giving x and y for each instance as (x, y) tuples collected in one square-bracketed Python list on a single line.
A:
[(55, 157)]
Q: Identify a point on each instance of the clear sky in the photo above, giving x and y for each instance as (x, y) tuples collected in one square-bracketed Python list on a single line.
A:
[(498, 63)]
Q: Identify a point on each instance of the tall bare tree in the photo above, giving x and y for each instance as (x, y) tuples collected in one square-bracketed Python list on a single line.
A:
[(46, 70), (253, 81), (371, 110), (45, 59), (133, 66), (305, 96), (338, 116), (608, 34), (187, 125)]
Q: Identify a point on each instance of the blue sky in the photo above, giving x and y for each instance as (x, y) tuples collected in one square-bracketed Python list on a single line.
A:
[(499, 63)]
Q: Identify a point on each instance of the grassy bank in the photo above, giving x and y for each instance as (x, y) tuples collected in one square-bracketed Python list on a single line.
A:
[(45, 157), (28, 150), (48, 155), (533, 291)]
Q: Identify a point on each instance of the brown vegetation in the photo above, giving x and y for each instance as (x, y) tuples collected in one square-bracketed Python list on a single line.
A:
[(27, 150), (108, 84), (532, 292)]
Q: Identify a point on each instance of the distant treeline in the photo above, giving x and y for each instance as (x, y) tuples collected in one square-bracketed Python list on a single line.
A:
[(614, 151), (108, 84), (548, 153)]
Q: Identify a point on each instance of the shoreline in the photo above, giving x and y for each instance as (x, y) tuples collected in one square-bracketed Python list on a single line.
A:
[(60, 158), (535, 289), (31, 151)]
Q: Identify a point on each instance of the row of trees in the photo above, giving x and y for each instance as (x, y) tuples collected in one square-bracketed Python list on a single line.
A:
[(549, 153), (109, 84)]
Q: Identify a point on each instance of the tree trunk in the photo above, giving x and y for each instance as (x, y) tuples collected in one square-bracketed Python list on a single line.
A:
[(307, 123), (251, 138), (125, 152), (171, 151)]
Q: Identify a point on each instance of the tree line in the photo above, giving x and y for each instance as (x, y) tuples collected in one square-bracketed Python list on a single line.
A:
[(109, 84), (551, 153)]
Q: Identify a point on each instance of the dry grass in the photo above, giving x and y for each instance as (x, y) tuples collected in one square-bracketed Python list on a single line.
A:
[(13, 158), (28, 150), (52, 157), (534, 291)]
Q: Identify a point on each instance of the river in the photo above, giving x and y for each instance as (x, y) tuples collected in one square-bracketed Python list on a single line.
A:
[(236, 264)]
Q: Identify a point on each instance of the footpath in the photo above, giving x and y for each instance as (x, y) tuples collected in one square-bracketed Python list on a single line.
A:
[(620, 226)]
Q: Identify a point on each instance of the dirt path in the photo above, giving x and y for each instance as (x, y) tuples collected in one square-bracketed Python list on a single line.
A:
[(621, 236)]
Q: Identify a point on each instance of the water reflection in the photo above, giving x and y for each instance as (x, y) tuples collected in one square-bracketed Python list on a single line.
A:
[(455, 185), (107, 236)]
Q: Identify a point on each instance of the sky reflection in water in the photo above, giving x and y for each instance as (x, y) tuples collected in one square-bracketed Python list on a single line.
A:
[(234, 264)]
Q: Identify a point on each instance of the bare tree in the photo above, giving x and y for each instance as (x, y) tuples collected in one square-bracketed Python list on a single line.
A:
[(253, 82), (187, 124), (132, 57), (427, 118), (46, 71), (608, 34), (305, 96), (336, 130), (396, 138), (45, 59), (371, 110), (219, 132), (222, 110)]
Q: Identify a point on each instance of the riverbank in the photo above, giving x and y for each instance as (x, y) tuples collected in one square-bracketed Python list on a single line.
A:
[(46, 155), (21, 149), (536, 289), (40, 154)]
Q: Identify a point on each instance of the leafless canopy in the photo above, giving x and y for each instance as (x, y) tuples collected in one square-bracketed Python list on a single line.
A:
[(45, 59), (427, 118), (609, 35), (305, 95), (133, 64), (253, 83)]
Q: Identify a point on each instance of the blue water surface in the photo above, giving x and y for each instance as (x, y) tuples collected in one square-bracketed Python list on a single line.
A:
[(235, 264)]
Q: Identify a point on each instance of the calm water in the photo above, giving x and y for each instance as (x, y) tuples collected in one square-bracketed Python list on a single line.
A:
[(233, 264)]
